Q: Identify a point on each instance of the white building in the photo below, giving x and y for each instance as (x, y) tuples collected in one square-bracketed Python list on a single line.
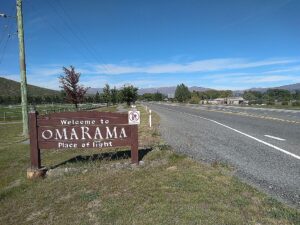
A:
[(227, 101), (235, 101)]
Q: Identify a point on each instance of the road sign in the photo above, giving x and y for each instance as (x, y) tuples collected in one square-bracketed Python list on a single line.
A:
[(134, 117), (72, 130)]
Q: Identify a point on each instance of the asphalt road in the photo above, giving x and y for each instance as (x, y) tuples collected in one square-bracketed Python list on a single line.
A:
[(264, 148), (279, 114)]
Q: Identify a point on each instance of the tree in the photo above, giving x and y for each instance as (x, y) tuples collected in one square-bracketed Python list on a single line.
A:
[(107, 94), (225, 94), (182, 93), (250, 96), (279, 94), (97, 97), (129, 94), (74, 92), (114, 95), (158, 96), (194, 98), (296, 95)]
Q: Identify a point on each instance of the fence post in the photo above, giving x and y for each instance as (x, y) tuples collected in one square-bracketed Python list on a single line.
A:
[(35, 157), (4, 116), (35, 169), (134, 144)]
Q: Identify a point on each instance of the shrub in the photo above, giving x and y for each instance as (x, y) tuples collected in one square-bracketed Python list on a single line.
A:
[(296, 103), (195, 100)]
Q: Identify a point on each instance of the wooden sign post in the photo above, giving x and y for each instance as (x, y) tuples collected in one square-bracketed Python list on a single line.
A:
[(67, 130)]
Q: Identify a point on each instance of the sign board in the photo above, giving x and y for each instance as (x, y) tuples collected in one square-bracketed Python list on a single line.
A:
[(134, 117), (70, 130)]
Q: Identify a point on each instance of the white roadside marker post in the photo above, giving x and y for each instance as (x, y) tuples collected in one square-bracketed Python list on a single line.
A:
[(150, 118)]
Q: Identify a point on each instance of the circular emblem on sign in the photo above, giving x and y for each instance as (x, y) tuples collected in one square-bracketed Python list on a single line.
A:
[(134, 117)]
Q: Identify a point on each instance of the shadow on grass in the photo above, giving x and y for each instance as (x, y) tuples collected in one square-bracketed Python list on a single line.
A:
[(108, 156)]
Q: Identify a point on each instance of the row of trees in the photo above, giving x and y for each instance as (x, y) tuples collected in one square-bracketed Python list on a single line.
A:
[(126, 94), (182, 94), (152, 97), (75, 93), (11, 100), (271, 96)]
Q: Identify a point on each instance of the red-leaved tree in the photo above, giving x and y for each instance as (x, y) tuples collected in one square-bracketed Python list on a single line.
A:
[(69, 81)]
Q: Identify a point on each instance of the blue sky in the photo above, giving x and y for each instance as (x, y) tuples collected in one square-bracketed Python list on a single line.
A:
[(232, 44)]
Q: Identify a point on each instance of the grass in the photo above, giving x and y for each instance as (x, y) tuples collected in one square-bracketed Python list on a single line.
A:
[(167, 189)]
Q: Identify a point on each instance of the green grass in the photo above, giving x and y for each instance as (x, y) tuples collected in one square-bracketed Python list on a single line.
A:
[(168, 189)]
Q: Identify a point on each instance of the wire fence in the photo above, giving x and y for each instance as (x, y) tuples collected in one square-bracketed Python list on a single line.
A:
[(14, 113)]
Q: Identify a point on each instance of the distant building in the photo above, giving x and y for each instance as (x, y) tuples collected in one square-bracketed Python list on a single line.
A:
[(217, 101), (227, 101), (235, 101), (171, 95)]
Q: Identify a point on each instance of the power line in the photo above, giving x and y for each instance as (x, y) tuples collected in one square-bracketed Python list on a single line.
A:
[(4, 49), (82, 39), (57, 31), (8, 26), (84, 42), (9, 34), (4, 34)]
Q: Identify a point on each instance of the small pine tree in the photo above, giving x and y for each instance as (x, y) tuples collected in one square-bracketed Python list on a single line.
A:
[(106, 94), (97, 97), (129, 94), (182, 93), (114, 95)]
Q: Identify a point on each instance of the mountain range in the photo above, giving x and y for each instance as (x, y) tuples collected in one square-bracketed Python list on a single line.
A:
[(171, 89), (12, 88)]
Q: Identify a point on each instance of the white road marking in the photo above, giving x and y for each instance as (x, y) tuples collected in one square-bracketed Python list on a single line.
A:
[(247, 135), (276, 138)]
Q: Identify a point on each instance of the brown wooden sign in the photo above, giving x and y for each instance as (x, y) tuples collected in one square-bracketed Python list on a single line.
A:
[(68, 130)]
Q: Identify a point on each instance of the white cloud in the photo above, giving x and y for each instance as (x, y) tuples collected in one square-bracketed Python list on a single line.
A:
[(221, 72), (285, 70), (193, 66), (45, 71), (258, 79)]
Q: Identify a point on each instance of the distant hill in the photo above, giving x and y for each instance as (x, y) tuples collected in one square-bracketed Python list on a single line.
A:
[(171, 90), (290, 87), (168, 90), (12, 88), (162, 90), (93, 91)]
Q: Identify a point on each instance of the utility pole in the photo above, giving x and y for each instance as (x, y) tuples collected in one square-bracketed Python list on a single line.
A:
[(22, 68)]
